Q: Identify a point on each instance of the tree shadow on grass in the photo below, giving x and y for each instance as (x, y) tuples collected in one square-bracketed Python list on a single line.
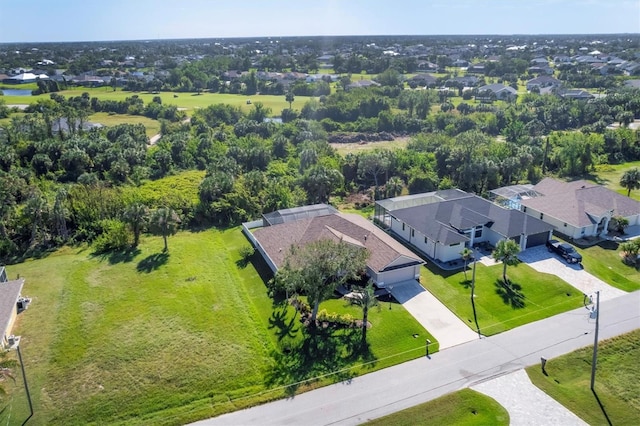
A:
[(466, 284), (319, 353), (152, 262), (118, 256), (510, 294), (283, 328)]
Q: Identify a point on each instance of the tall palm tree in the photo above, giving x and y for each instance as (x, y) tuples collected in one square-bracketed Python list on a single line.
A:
[(165, 222), (137, 215), (506, 251), (466, 254), (630, 180), (365, 299)]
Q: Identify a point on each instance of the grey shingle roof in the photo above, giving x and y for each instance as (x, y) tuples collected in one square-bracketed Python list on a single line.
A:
[(577, 202), (9, 293), (442, 221)]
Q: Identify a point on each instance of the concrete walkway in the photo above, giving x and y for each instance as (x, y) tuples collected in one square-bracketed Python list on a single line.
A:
[(527, 405), (541, 260), (447, 328)]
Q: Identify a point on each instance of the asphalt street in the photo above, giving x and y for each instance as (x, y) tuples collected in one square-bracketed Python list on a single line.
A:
[(392, 389)]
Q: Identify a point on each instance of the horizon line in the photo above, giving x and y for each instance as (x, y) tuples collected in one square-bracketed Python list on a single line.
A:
[(323, 36)]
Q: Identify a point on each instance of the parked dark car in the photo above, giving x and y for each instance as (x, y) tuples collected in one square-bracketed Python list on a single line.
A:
[(565, 250)]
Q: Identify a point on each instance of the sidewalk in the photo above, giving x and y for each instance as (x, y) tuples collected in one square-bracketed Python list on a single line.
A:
[(527, 405), (447, 328)]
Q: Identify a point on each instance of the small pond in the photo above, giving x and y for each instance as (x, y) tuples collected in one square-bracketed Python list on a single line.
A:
[(16, 92)]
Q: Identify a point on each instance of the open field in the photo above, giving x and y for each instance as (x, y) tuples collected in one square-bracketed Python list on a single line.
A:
[(617, 387), (465, 407), (535, 296), (152, 126), (354, 148), (189, 101), (609, 175), (152, 338)]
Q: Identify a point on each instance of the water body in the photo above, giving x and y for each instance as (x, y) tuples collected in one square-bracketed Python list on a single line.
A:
[(16, 92)]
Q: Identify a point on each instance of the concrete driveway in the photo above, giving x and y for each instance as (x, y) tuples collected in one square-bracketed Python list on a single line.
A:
[(432, 314), (541, 260)]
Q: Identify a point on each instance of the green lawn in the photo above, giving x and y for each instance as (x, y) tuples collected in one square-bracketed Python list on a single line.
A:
[(465, 407), (106, 119), (189, 101), (609, 175), (144, 338), (354, 148), (535, 296), (617, 385), (603, 261)]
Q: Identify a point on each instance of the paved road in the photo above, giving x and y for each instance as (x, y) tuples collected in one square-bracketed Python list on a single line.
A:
[(541, 260), (447, 328), (405, 385)]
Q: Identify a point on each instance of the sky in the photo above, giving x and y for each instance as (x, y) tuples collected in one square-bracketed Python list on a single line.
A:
[(90, 20)]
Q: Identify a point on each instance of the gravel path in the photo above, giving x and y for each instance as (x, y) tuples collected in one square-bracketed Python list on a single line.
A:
[(541, 260), (527, 405)]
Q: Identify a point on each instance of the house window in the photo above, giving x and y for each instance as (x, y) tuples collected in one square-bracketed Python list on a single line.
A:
[(524, 209), (403, 226), (425, 240), (565, 225), (478, 233), (413, 233), (541, 216), (453, 245)]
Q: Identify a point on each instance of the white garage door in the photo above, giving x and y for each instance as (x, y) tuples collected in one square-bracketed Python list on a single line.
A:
[(397, 275)]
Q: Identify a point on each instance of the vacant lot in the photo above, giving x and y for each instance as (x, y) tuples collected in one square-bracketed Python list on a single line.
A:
[(354, 148), (617, 388), (533, 295), (153, 338), (465, 407), (152, 126)]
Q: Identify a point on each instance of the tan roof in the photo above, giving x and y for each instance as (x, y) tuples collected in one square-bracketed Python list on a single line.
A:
[(383, 250), (579, 203)]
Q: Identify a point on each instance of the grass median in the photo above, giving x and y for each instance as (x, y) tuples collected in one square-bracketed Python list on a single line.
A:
[(616, 399)]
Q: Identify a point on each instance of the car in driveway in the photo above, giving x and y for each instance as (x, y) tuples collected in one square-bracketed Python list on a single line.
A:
[(565, 250)]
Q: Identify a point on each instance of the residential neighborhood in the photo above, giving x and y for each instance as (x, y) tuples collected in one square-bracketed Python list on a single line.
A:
[(234, 214)]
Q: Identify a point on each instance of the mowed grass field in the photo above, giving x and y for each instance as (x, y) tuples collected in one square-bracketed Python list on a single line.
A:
[(617, 386), (189, 101), (106, 119), (535, 296), (144, 338), (465, 407)]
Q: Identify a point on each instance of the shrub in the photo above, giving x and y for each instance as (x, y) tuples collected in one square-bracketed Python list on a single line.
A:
[(114, 236)]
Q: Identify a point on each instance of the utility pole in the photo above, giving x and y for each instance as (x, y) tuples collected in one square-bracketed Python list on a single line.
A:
[(595, 343), (473, 288)]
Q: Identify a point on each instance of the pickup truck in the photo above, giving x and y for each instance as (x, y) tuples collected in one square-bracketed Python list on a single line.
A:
[(565, 250)]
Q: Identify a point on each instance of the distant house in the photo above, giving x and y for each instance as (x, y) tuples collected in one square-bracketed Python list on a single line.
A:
[(577, 94), (579, 209), (475, 69), (632, 83), (424, 79), (62, 125), (389, 262), (543, 81), (24, 78), (460, 63), (440, 224), (363, 83), (499, 90), (9, 299)]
